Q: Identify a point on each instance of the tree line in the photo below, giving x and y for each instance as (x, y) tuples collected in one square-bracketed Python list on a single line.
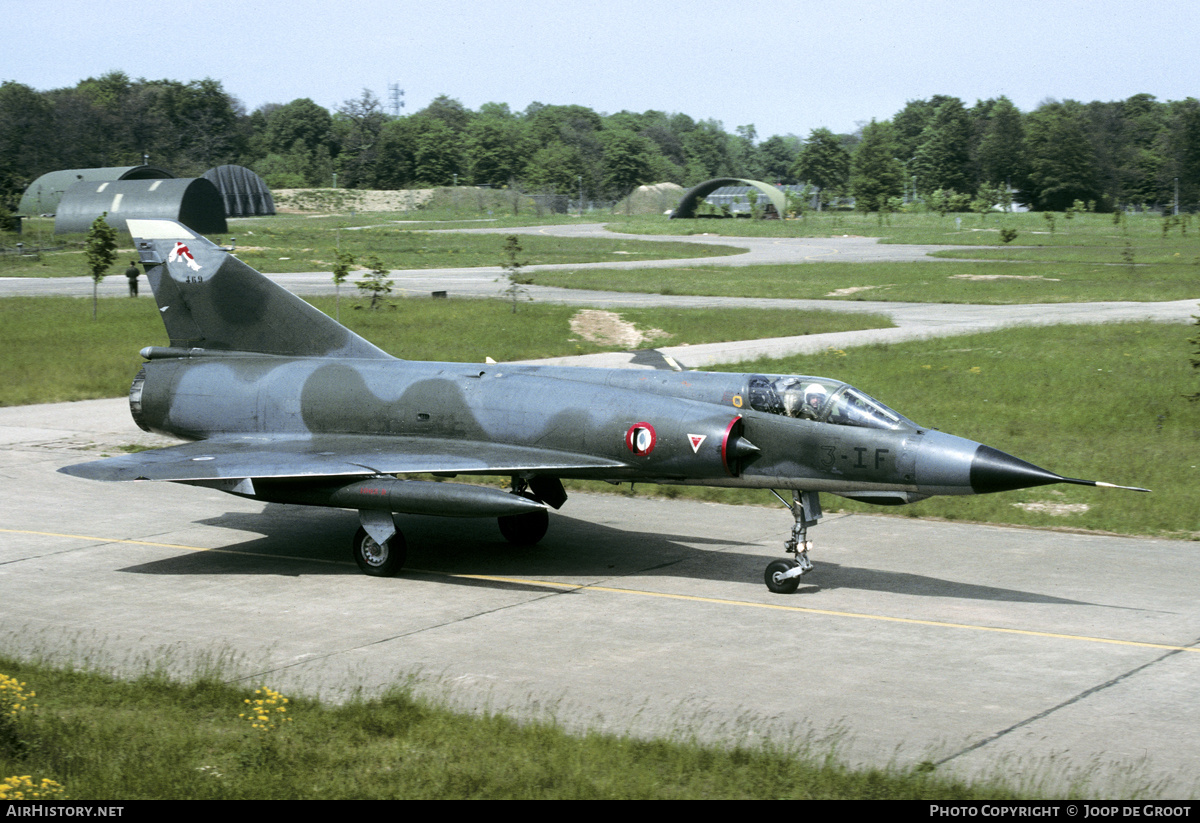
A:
[(1132, 153), (939, 151)]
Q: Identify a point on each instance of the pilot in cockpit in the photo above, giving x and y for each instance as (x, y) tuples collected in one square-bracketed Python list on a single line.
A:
[(815, 396), (803, 402)]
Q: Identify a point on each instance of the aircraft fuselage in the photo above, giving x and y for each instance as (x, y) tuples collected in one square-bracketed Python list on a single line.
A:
[(695, 427)]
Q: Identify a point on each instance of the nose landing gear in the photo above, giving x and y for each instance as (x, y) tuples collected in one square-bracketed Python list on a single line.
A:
[(783, 576)]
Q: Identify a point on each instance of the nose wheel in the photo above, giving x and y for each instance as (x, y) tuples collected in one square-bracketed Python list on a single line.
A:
[(783, 576)]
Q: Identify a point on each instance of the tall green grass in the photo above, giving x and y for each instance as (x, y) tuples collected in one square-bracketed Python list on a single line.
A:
[(54, 351)]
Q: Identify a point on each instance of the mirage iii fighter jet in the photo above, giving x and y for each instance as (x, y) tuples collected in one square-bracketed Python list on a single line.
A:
[(284, 405)]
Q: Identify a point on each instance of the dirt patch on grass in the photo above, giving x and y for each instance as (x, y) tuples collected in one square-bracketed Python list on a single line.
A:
[(1054, 509), (607, 328), (853, 290)]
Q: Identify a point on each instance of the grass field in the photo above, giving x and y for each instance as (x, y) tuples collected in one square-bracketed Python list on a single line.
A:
[(299, 244), (151, 738), (1088, 258), (55, 352), (933, 282), (1032, 228)]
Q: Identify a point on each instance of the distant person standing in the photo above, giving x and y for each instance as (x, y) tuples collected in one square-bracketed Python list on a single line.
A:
[(132, 273)]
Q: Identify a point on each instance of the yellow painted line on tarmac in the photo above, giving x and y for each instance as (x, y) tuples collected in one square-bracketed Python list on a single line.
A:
[(832, 613), (912, 621), (93, 538)]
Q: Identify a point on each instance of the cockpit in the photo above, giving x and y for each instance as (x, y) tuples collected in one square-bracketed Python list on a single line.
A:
[(822, 400)]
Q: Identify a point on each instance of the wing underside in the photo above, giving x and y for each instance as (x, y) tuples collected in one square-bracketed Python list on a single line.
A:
[(265, 456)]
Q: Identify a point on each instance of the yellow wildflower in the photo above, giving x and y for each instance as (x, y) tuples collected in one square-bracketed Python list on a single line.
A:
[(22, 787), (266, 711), (13, 698)]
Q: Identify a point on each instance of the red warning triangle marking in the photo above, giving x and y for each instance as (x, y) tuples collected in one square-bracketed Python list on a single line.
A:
[(696, 440)]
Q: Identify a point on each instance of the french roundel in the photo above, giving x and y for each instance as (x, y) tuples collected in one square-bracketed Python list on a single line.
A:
[(640, 439)]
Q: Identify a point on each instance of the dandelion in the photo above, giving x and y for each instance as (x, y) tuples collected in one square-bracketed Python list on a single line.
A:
[(974, 370), (14, 700), (266, 711), (22, 787)]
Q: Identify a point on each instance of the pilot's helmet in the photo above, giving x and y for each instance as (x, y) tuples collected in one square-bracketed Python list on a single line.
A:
[(815, 395)]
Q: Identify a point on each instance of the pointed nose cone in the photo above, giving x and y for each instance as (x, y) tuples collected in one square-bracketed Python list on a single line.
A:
[(994, 471)]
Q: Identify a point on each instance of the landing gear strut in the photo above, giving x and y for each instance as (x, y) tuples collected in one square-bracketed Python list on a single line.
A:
[(783, 576)]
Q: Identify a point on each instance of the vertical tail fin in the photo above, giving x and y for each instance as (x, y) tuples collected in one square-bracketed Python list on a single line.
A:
[(209, 299)]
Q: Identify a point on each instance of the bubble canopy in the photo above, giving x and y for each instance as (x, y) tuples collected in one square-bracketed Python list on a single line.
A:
[(822, 400)]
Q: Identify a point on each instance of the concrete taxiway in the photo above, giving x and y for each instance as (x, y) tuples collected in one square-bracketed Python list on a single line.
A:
[(1005, 651)]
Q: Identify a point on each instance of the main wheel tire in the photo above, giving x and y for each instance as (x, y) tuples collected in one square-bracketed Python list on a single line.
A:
[(379, 559), (772, 577), (524, 529)]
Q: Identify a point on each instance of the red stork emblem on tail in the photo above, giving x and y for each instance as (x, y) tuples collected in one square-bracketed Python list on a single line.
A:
[(181, 252)]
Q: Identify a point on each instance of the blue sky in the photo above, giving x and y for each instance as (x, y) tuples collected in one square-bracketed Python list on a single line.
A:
[(786, 67)]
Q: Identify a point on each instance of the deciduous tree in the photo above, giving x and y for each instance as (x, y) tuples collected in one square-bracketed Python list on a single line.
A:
[(823, 162), (497, 149), (875, 173), (359, 123), (101, 251), (1062, 165), (628, 160), (1002, 153), (943, 158)]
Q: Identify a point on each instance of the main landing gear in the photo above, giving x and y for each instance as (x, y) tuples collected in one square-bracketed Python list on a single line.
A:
[(379, 548), (379, 559), (783, 576)]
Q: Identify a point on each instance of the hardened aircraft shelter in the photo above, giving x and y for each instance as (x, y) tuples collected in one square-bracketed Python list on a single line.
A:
[(44, 194), (192, 201), (691, 201)]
